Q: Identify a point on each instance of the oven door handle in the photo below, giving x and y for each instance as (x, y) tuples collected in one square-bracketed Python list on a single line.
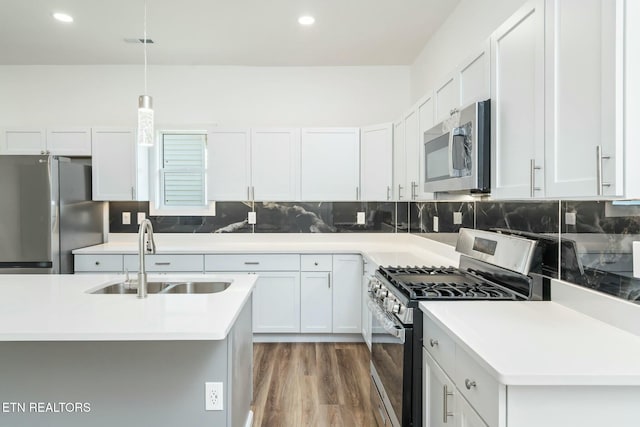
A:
[(385, 321)]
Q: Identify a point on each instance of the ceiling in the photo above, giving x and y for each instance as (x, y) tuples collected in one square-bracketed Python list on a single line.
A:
[(220, 32)]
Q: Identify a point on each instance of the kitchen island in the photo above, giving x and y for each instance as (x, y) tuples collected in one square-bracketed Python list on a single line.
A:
[(72, 358)]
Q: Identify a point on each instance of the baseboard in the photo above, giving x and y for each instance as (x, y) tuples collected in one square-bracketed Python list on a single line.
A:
[(262, 338)]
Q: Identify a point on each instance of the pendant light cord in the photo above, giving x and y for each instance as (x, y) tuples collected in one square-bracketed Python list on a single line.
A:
[(145, 47)]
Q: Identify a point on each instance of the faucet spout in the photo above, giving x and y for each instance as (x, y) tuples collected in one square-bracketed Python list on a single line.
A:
[(145, 228)]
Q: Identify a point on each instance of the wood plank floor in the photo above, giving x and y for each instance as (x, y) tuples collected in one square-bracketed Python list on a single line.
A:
[(311, 384)]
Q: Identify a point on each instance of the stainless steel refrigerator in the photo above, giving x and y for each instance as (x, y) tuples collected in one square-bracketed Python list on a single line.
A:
[(46, 211)]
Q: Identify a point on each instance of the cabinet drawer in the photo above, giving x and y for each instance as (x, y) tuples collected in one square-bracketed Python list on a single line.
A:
[(98, 263), (166, 263), (316, 263), (478, 386), (248, 262), (439, 345)]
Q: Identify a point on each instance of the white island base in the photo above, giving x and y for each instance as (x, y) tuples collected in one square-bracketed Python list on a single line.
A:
[(124, 381)]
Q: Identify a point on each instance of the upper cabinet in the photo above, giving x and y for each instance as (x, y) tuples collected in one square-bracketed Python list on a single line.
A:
[(330, 164), (584, 97), (275, 164), (119, 166), (399, 161), (517, 95), (425, 122), (469, 83), (376, 150), (253, 164), (70, 141), (228, 164)]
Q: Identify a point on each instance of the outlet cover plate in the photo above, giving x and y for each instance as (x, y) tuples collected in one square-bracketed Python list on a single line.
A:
[(570, 218), (126, 218), (213, 396), (251, 218), (457, 218), (360, 219), (141, 217), (436, 226)]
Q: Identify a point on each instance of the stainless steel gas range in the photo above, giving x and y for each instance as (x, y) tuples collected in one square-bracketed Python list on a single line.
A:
[(493, 266)]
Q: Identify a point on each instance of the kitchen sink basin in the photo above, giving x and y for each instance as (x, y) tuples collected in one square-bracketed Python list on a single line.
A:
[(166, 287)]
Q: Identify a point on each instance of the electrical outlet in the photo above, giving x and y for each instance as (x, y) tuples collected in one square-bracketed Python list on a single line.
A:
[(126, 218), (570, 218), (436, 226), (636, 259), (360, 219), (213, 396), (141, 217), (251, 218), (457, 218)]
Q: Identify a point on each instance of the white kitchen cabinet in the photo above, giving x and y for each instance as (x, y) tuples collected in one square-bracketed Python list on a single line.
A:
[(347, 296), (474, 77), (316, 293), (447, 97), (315, 302), (275, 164), (399, 161), (166, 263), (631, 84), (376, 162), (467, 416), (119, 166), (517, 104), (439, 395), (330, 164), (112, 263), (276, 302), (23, 141), (228, 164), (584, 62), (412, 152), (69, 141)]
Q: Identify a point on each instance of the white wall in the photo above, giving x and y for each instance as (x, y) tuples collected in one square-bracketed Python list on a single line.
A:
[(256, 96), (464, 31)]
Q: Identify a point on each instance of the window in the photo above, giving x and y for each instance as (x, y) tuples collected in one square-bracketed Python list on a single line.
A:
[(181, 187)]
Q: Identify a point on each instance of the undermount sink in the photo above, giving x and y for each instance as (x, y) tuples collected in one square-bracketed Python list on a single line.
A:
[(166, 287)]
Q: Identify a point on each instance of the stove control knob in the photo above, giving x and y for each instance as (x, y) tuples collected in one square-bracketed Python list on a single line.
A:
[(396, 308)]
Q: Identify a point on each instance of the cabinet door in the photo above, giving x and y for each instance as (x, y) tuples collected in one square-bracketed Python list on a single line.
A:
[(69, 141), (276, 302), (583, 97), (399, 162), (447, 97), (376, 162), (315, 302), (330, 164), (517, 94), (439, 395), (425, 122), (275, 164), (412, 152), (113, 164), (474, 77), (347, 297), (631, 12), (468, 417), (23, 141), (228, 164)]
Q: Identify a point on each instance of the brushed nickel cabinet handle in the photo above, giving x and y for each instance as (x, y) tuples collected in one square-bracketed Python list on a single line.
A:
[(162, 263), (599, 181), (388, 192), (399, 191), (469, 384), (445, 409), (532, 170), (433, 343), (251, 263)]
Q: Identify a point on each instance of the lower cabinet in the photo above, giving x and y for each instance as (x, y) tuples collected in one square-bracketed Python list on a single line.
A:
[(276, 302), (347, 297), (315, 302), (369, 271)]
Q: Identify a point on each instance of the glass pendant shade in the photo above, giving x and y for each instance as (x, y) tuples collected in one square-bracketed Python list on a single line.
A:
[(145, 121)]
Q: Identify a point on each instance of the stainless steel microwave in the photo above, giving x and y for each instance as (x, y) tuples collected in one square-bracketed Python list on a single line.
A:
[(457, 152)]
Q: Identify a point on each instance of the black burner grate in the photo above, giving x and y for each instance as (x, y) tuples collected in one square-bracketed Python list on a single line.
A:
[(444, 283)]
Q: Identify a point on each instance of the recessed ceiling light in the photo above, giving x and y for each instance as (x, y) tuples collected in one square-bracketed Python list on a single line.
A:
[(306, 20), (63, 17)]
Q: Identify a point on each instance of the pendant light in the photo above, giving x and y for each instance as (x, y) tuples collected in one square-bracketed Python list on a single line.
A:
[(145, 103)]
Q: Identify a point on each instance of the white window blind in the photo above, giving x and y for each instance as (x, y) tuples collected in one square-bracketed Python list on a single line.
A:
[(183, 170)]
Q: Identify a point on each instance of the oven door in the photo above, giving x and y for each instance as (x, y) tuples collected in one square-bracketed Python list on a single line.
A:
[(391, 365)]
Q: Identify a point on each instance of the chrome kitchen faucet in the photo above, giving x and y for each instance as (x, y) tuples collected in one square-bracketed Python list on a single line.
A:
[(145, 228)]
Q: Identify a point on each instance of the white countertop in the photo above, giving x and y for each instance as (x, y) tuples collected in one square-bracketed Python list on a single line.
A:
[(58, 308), (540, 343), (381, 249)]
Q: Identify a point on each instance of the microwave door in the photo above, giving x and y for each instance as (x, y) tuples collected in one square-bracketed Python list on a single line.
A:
[(456, 152)]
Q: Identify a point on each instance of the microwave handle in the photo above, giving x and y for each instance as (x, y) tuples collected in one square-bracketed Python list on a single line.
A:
[(451, 171)]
